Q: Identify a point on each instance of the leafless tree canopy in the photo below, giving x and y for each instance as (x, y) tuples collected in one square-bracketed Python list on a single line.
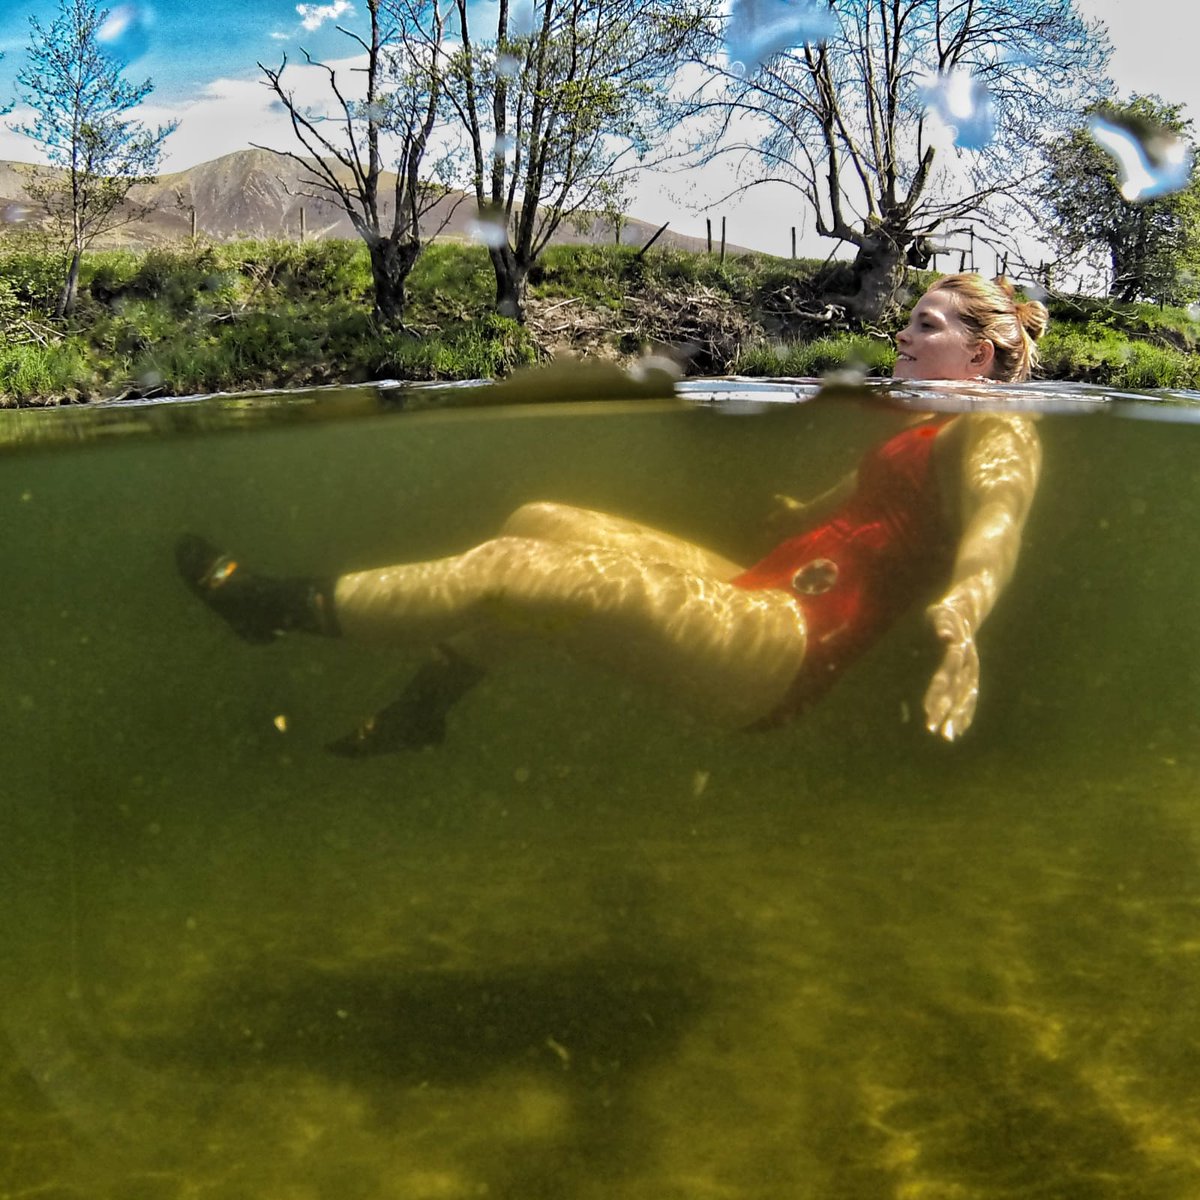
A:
[(350, 143), (846, 121), (559, 102)]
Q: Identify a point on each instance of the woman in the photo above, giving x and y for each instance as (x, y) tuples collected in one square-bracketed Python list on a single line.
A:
[(938, 509)]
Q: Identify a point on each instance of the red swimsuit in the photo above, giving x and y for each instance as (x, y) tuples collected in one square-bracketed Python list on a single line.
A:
[(853, 576)]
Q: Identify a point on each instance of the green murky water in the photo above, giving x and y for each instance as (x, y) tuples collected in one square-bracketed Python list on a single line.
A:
[(588, 948)]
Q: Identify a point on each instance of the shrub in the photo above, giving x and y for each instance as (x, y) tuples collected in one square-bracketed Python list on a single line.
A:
[(35, 277), (303, 270)]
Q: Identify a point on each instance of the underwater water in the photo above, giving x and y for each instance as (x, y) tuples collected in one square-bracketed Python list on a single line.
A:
[(588, 947)]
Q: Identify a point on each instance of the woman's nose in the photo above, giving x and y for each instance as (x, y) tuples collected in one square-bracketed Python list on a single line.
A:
[(902, 336)]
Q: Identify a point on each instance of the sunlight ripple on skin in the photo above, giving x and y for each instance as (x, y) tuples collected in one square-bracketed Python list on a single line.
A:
[(730, 653)]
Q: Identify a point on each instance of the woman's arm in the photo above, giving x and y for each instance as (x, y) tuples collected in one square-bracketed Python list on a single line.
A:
[(1001, 461), (791, 516)]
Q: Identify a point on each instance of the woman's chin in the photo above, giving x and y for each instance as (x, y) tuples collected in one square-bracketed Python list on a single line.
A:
[(905, 368)]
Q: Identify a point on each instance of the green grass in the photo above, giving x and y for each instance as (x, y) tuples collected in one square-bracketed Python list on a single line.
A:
[(847, 352), (1113, 357), (261, 314), (36, 374)]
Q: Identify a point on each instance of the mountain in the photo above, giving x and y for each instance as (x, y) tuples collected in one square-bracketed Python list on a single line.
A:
[(254, 193)]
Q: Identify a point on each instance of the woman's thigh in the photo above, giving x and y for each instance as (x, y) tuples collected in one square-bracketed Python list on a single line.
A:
[(585, 526)]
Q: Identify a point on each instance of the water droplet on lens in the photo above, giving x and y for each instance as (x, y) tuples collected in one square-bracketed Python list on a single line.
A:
[(757, 29), (13, 213), (962, 101), (491, 233), (508, 66), (1151, 160), (372, 112), (124, 34), (1193, 312), (504, 146)]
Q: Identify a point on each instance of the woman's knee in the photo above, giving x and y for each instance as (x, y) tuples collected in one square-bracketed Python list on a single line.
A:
[(538, 518)]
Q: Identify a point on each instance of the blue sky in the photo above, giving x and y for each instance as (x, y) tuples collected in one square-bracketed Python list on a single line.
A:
[(189, 43), (202, 56), (202, 59)]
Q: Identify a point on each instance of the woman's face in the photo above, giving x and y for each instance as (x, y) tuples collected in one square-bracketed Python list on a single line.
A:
[(936, 344)]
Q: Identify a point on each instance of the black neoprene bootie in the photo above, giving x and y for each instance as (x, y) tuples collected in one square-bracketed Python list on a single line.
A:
[(256, 607), (416, 718)]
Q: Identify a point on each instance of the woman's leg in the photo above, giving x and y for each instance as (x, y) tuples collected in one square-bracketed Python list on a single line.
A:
[(584, 526), (726, 653)]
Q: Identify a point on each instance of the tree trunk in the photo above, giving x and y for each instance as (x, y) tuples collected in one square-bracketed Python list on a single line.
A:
[(879, 272), (70, 288), (391, 264), (511, 277)]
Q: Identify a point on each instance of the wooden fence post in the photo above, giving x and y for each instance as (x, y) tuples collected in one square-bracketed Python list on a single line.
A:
[(708, 226), (793, 241), (661, 231), (722, 239)]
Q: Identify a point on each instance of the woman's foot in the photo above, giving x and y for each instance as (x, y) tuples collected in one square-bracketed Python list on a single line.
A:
[(417, 718), (256, 607)]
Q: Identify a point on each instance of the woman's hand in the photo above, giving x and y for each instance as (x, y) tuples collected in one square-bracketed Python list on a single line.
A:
[(954, 690), (790, 516), (787, 516)]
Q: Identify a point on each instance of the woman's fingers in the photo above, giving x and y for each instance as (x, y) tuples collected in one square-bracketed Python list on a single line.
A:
[(954, 691)]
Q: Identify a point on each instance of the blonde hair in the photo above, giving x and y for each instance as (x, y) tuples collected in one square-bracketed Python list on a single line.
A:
[(990, 311)]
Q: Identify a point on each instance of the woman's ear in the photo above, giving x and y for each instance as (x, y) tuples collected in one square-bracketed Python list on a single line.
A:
[(984, 356)]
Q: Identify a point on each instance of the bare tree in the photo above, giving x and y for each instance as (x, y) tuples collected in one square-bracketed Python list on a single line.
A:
[(96, 154), (559, 102), (847, 120), (346, 151)]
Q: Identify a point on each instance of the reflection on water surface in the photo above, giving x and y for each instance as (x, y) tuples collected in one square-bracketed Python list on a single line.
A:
[(588, 947)]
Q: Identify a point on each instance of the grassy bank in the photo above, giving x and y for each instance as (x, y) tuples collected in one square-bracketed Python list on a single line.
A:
[(278, 314)]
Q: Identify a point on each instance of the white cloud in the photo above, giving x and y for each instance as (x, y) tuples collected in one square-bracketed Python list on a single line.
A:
[(14, 147), (230, 114), (225, 115), (313, 16)]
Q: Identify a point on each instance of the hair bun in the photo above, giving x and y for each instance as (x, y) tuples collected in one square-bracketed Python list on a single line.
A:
[(1006, 286), (1034, 317)]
